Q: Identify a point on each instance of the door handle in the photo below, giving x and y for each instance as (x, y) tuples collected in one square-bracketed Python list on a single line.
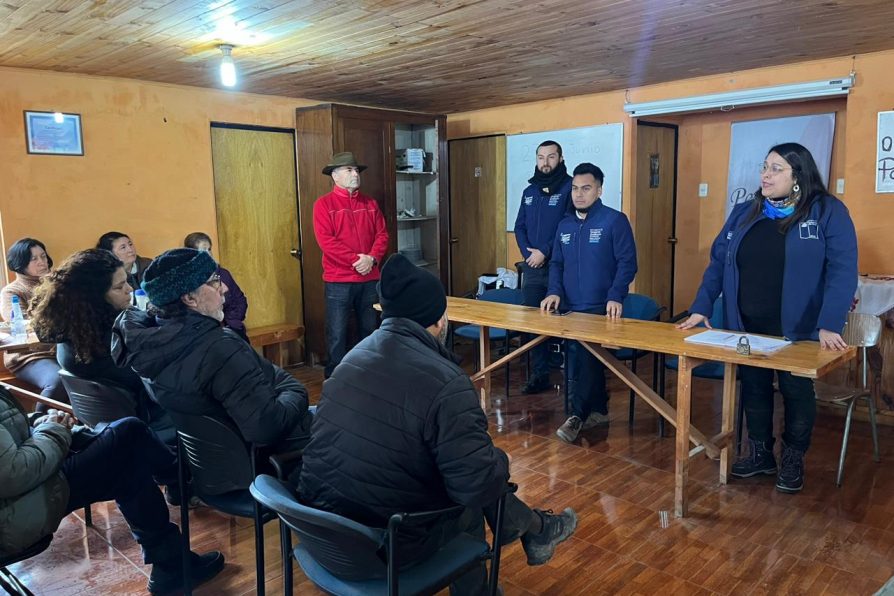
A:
[(295, 253), (454, 240), (671, 240)]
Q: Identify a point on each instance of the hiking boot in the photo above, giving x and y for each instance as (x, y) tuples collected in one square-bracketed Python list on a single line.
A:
[(791, 474), (568, 432), (595, 419), (167, 576), (536, 385), (556, 529), (760, 460)]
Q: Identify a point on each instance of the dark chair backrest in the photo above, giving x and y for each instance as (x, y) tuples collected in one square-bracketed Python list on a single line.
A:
[(503, 296), (343, 547), (95, 402), (219, 459), (640, 307)]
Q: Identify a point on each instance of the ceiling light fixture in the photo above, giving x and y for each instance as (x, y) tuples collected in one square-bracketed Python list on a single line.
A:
[(736, 99), (227, 66)]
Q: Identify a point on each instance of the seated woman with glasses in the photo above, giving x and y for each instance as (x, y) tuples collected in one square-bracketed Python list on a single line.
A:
[(75, 307), (236, 305), (786, 264), (29, 260), (120, 244)]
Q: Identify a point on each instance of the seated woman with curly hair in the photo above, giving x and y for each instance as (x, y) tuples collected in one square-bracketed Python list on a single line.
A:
[(75, 307)]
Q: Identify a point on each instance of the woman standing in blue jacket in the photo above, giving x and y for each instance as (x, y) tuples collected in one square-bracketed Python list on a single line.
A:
[(786, 265)]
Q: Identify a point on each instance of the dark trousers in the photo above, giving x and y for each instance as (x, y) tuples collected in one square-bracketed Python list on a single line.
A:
[(798, 398), (119, 465), (534, 286), (343, 299), (586, 379), (517, 518)]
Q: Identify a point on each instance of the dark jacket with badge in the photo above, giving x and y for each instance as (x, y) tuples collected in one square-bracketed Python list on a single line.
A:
[(593, 259), (195, 366), (819, 278), (399, 429), (538, 216)]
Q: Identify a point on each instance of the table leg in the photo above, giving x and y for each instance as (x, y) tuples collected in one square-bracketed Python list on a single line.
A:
[(483, 361), (684, 400), (728, 421)]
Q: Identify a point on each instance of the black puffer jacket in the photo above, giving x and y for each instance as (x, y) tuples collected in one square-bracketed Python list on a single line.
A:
[(399, 429), (197, 367)]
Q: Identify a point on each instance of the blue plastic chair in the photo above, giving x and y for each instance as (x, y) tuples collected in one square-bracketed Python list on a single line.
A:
[(344, 557), (641, 308), (473, 332)]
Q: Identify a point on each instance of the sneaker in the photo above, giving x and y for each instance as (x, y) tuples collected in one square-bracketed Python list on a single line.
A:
[(760, 460), (568, 432), (536, 385), (791, 475), (556, 529), (167, 577), (595, 419)]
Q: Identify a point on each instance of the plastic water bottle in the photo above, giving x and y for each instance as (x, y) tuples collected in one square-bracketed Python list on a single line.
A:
[(17, 322), (141, 299)]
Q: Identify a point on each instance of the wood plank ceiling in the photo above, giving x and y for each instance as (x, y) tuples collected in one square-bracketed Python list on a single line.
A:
[(434, 55)]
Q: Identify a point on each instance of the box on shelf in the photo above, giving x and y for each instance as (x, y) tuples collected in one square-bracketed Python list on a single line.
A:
[(411, 160)]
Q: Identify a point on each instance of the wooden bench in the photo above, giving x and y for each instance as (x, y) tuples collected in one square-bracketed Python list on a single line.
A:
[(270, 340)]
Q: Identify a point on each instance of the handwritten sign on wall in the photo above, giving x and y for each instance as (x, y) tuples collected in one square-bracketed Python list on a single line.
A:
[(884, 176)]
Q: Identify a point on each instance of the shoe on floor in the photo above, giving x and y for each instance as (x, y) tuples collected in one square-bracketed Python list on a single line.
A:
[(556, 529), (760, 460), (172, 496), (536, 385), (791, 473), (570, 429), (595, 419), (167, 577)]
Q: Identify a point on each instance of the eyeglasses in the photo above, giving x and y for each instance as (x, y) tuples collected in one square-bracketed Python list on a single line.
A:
[(773, 168), (214, 281)]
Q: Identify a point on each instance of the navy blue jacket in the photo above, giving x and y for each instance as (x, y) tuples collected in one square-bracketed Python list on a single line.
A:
[(593, 260), (819, 279), (538, 216)]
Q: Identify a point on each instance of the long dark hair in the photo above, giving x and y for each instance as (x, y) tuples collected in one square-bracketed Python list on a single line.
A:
[(806, 176), (70, 304), (18, 257)]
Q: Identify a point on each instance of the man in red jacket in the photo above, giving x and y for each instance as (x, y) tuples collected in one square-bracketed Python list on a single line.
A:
[(351, 233)]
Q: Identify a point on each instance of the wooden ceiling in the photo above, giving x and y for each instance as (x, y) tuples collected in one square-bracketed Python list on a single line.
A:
[(434, 55)]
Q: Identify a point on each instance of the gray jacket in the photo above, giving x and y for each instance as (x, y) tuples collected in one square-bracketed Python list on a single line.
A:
[(33, 492)]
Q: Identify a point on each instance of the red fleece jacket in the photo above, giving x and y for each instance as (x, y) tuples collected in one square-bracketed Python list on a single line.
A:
[(348, 225)]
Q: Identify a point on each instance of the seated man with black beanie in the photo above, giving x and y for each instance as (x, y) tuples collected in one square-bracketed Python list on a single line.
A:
[(193, 365), (399, 429)]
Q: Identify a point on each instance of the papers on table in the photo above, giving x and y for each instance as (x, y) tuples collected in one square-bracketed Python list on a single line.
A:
[(727, 339)]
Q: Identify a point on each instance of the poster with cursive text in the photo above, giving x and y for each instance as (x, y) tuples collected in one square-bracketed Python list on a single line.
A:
[(884, 176)]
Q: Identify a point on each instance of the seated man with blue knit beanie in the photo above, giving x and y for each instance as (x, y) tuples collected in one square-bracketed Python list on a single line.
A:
[(194, 365), (399, 429)]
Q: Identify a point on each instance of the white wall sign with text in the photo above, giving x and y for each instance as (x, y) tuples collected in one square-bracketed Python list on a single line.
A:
[(884, 175)]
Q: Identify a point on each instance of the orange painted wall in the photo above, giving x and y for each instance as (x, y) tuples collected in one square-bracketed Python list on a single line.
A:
[(704, 149), (147, 164)]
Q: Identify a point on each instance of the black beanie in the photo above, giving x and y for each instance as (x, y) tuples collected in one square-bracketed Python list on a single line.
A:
[(407, 291), (176, 272)]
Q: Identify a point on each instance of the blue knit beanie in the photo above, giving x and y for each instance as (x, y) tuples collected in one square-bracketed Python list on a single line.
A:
[(176, 272)]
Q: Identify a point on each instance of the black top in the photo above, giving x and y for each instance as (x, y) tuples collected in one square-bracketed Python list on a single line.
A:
[(761, 262)]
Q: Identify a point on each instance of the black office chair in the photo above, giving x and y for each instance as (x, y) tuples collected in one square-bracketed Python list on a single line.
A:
[(10, 582), (337, 554), (222, 466)]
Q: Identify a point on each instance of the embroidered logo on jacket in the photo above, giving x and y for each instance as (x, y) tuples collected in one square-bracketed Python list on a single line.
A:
[(554, 200), (529, 200), (729, 235), (808, 230), (595, 235), (565, 238)]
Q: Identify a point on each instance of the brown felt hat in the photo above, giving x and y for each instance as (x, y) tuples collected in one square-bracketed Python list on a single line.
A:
[(342, 159)]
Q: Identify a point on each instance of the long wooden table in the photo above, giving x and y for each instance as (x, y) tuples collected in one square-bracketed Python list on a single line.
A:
[(598, 333)]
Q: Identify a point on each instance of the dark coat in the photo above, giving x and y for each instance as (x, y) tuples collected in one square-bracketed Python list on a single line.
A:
[(399, 429), (236, 305), (197, 367)]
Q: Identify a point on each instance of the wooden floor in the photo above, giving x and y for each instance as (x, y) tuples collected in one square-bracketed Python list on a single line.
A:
[(744, 538)]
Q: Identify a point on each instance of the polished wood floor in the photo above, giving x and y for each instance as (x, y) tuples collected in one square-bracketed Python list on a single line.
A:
[(743, 538)]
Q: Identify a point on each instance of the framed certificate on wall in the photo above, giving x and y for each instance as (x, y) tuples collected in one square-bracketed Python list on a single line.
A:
[(53, 133)]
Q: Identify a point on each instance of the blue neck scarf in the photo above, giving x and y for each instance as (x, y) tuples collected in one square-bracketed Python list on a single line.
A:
[(779, 209)]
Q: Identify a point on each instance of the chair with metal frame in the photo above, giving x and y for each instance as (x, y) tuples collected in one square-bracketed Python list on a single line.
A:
[(9, 582), (862, 331), (641, 308), (337, 554)]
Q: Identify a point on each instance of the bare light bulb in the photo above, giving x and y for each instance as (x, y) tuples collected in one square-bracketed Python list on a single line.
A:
[(227, 67)]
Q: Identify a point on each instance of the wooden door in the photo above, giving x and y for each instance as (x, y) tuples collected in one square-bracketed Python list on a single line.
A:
[(477, 210), (257, 220), (656, 183)]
